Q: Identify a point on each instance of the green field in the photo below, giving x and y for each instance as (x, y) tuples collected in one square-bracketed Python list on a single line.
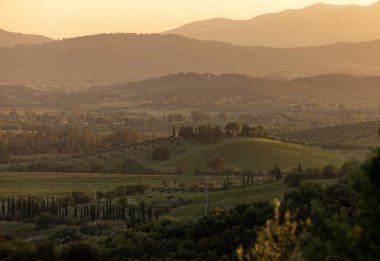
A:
[(62, 184), (229, 198), (249, 153), (220, 199)]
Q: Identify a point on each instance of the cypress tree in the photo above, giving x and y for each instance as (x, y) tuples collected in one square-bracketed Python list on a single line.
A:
[(93, 213), (23, 208), (66, 208), (133, 212), (43, 205), (13, 210), (299, 166), (107, 217), (150, 214), (29, 210), (123, 213), (52, 208), (142, 211), (8, 206)]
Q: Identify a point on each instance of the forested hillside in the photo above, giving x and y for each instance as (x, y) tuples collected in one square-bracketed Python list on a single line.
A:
[(115, 58)]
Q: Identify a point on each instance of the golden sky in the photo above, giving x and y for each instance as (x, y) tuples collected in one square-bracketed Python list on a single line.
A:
[(69, 18)]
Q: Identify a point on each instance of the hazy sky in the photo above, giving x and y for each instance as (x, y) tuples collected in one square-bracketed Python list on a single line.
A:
[(68, 18)]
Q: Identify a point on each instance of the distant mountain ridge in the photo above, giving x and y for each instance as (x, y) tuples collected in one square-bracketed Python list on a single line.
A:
[(115, 58), (10, 39), (194, 90), (319, 24), (187, 88)]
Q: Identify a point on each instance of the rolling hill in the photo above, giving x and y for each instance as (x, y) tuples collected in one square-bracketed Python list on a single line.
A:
[(248, 153), (318, 24), (244, 153), (189, 91), (199, 89), (10, 39), (115, 58)]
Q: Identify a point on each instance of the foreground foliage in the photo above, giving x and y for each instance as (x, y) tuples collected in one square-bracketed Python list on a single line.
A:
[(342, 225)]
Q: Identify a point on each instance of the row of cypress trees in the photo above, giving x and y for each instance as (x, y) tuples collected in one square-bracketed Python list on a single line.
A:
[(29, 208)]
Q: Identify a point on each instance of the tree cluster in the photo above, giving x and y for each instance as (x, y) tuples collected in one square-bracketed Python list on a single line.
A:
[(202, 134)]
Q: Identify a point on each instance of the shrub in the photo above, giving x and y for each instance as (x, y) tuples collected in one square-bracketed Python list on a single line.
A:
[(80, 251), (80, 197), (160, 153), (293, 179), (329, 172), (45, 220), (276, 173), (63, 233)]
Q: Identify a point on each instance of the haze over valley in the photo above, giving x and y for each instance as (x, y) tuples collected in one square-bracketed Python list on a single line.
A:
[(319, 24), (115, 58), (221, 139)]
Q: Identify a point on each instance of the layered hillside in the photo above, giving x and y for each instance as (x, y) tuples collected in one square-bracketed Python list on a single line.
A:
[(115, 58), (318, 24)]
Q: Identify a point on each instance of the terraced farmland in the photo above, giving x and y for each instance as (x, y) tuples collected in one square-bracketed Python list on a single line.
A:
[(334, 134)]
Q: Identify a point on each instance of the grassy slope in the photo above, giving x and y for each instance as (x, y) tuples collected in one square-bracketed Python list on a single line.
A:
[(61, 184), (230, 198), (249, 153), (371, 141)]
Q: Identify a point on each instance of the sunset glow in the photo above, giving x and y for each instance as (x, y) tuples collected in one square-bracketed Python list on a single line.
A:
[(58, 19)]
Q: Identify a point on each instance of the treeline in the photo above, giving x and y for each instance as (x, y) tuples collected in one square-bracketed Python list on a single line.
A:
[(62, 140), (54, 211), (79, 208), (118, 166), (28, 120), (296, 175), (210, 134)]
